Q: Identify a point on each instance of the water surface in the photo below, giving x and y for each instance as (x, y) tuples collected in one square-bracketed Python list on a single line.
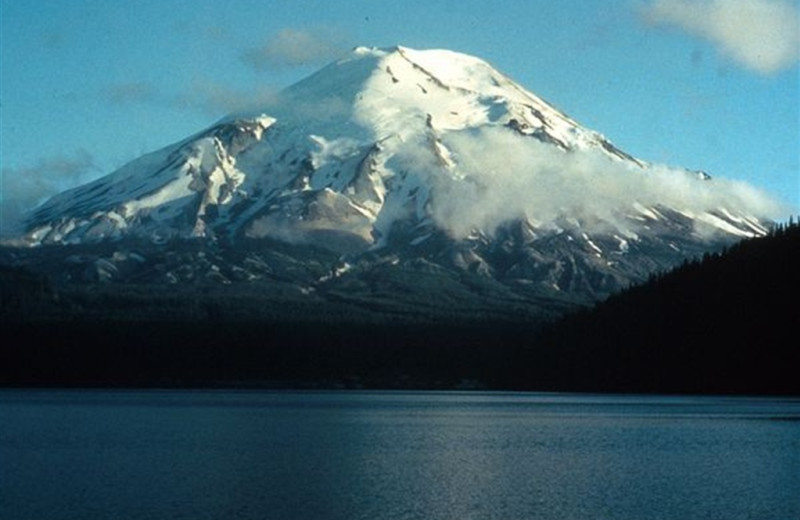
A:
[(375, 455)]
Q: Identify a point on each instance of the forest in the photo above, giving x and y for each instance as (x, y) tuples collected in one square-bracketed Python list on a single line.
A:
[(725, 323), (722, 324)]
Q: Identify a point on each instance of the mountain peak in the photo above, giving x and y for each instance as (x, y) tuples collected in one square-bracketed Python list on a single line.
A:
[(399, 92), (390, 146)]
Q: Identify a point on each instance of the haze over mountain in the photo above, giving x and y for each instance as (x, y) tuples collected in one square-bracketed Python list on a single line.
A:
[(392, 157)]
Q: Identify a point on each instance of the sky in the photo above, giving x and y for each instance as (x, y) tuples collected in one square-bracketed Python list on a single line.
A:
[(88, 85)]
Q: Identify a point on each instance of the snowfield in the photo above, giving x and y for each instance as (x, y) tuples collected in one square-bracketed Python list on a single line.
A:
[(394, 139)]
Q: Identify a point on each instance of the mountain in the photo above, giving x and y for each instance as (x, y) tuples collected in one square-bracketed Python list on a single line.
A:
[(394, 178)]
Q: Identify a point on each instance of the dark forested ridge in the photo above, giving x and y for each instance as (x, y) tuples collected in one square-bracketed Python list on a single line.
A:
[(723, 324)]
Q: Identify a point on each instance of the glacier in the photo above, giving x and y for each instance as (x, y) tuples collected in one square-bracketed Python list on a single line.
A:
[(396, 156)]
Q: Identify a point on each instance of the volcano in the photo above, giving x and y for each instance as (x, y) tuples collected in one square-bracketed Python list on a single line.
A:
[(390, 176)]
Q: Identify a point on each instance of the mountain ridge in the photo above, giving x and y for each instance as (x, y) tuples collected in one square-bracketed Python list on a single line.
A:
[(398, 156)]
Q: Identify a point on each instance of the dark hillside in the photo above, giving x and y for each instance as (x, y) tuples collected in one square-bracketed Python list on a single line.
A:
[(723, 324)]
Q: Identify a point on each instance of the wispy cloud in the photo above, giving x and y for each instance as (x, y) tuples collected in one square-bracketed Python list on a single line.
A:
[(23, 188), (131, 92), (54, 40), (216, 99), (500, 176), (287, 48), (760, 35), (206, 97), (293, 47)]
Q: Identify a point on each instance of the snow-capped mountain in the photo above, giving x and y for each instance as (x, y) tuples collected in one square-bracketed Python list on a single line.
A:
[(413, 158)]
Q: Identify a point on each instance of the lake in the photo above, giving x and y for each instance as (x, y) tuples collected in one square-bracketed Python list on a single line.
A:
[(395, 455)]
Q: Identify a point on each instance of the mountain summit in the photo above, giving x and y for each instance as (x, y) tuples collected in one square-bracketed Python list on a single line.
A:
[(415, 158)]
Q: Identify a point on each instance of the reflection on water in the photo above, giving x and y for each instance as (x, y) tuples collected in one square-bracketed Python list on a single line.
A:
[(371, 455)]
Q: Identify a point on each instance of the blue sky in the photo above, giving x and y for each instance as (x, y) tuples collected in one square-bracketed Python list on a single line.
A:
[(88, 85)]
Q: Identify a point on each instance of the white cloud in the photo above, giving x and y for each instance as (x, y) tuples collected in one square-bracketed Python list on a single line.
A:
[(501, 176), (293, 47), (24, 188), (761, 35)]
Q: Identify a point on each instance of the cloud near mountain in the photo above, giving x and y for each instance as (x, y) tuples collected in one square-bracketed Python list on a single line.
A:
[(511, 176), (760, 35), (293, 47), (25, 187)]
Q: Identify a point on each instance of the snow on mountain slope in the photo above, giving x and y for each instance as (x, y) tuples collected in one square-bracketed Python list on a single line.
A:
[(433, 152)]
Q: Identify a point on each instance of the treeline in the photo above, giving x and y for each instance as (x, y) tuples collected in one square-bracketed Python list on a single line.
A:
[(721, 324), (726, 323), (24, 293), (309, 354)]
